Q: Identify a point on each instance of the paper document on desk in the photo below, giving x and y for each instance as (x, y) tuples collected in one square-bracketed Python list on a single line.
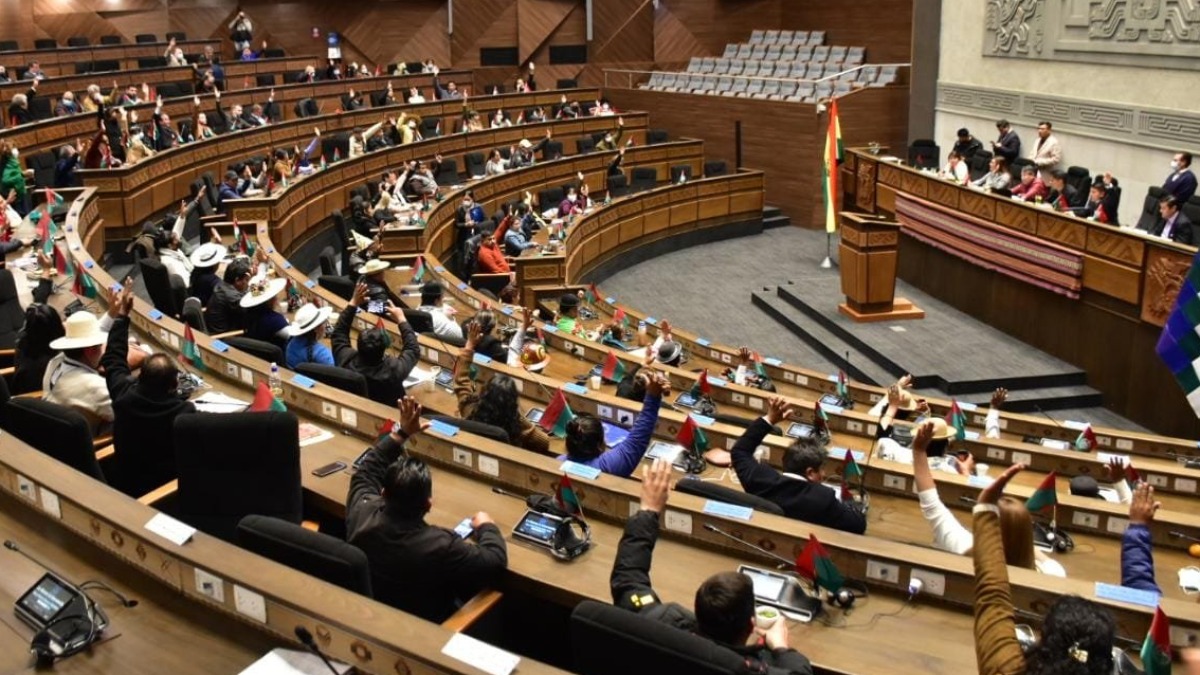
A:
[(216, 402), (481, 655), (281, 661), (311, 434), (417, 376)]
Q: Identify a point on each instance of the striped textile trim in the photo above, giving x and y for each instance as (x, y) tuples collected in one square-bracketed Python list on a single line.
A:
[(995, 247)]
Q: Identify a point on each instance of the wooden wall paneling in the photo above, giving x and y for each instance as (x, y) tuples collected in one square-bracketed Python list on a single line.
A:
[(538, 21), (623, 32), (488, 23), (685, 28), (884, 27)]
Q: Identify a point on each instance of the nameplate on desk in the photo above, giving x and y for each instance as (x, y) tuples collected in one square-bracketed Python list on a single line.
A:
[(287, 265), (979, 481), (703, 343), (610, 300), (718, 381), (1077, 426), (771, 361), (971, 435), (574, 388), (481, 359), (219, 347), (702, 420), (442, 428), (507, 310), (967, 407), (840, 453), (481, 655), (580, 470), (462, 286), (310, 284), (652, 321), (715, 508), (172, 530), (439, 269), (156, 315), (834, 409), (302, 381), (1132, 596), (88, 264), (550, 328)]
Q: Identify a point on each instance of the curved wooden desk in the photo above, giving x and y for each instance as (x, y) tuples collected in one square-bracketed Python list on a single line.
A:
[(52, 133), (1127, 280), (129, 195)]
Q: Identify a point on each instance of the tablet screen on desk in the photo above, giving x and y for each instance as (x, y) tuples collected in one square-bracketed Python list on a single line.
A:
[(46, 599), (766, 586)]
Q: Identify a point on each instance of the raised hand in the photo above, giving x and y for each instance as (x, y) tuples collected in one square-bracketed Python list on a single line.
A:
[(360, 294), (410, 416), (991, 494), (999, 397), (656, 485), (1143, 507), (778, 409), (474, 333)]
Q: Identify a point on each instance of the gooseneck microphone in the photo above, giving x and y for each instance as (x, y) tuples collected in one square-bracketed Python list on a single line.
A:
[(784, 563), (307, 640)]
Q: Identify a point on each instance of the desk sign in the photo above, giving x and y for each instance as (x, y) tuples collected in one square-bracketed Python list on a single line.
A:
[(302, 381), (481, 655), (580, 470), (441, 428), (574, 388), (219, 346), (725, 510), (172, 530), (1132, 596), (156, 315)]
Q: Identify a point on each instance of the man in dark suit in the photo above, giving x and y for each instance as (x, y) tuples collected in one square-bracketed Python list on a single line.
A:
[(1173, 223), (1062, 194), (1008, 145), (416, 567), (1181, 184), (144, 408), (384, 373), (799, 492), (724, 602), (1101, 204)]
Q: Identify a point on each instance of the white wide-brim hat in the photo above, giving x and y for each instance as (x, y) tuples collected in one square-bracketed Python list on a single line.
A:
[(308, 317), (260, 292), (82, 330), (208, 255), (373, 266)]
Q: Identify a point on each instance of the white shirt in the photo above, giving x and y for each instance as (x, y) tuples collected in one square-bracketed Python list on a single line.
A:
[(177, 264), (443, 326), (70, 383), (950, 535)]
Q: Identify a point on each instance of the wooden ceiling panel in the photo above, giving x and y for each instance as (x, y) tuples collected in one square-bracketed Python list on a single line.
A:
[(537, 20)]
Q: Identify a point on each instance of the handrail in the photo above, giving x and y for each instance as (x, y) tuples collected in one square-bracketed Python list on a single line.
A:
[(827, 78)]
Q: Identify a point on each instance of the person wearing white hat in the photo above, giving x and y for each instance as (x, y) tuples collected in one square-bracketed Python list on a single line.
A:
[(72, 378), (205, 260), (378, 293), (305, 345), (264, 319)]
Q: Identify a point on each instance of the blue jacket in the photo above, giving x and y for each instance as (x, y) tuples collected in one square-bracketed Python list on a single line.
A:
[(1137, 559), (624, 458)]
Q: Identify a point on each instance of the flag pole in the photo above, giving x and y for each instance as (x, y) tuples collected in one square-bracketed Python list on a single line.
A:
[(828, 261)]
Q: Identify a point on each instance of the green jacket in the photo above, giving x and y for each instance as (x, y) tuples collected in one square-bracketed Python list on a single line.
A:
[(12, 177)]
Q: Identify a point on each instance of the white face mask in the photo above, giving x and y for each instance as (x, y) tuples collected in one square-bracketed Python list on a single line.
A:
[(15, 152), (1174, 165), (571, 197), (281, 306)]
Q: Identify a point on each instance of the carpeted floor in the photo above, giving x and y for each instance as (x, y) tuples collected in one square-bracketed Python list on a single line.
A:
[(707, 289)]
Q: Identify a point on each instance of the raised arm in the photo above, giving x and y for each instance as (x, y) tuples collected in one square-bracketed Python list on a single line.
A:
[(623, 459), (1137, 552), (997, 651)]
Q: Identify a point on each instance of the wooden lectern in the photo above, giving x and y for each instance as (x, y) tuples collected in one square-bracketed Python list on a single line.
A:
[(868, 251)]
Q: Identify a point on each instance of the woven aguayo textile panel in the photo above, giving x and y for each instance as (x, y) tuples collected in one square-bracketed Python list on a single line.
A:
[(994, 247)]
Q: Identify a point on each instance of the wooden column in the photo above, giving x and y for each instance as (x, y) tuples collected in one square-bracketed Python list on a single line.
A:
[(868, 252)]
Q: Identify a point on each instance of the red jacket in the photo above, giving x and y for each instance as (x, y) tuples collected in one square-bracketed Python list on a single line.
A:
[(491, 260)]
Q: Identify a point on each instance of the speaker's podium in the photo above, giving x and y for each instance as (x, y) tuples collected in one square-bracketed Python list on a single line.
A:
[(868, 251)]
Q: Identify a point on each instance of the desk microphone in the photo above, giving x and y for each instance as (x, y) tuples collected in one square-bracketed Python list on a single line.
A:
[(1045, 414), (784, 563), (1175, 534), (307, 640), (968, 500)]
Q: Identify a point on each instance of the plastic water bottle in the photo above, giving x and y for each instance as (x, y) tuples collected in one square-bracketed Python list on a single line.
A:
[(273, 382), (641, 332)]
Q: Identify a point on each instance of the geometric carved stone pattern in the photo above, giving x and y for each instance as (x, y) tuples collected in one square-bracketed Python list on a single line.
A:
[(1164, 277), (1123, 123)]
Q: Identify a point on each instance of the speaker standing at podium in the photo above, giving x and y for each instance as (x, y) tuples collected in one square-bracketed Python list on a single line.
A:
[(724, 602)]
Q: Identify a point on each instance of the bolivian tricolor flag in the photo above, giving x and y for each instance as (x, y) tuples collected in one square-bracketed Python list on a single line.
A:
[(833, 159)]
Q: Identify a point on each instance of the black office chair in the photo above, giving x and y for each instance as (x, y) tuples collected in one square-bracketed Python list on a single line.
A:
[(193, 314), (643, 178), (151, 62), (679, 171), (307, 107), (178, 36), (584, 145), (58, 431), (78, 41), (566, 83), (656, 136), (327, 259), (110, 39), (550, 198), (1016, 166), (1080, 178), (429, 127), (267, 80), (420, 321), (166, 292), (607, 639), (39, 107), (42, 164), (320, 555), (45, 43), (9, 46), (12, 316), (472, 427), (83, 67), (552, 150), (475, 164), (695, 486), (256, 348), (618, 185), (715, 168), (273, 53), (144, 38), (341, 286), (339, 378), (492, 283), (236, 464), (447, 174), (977, 166), (924, 154)]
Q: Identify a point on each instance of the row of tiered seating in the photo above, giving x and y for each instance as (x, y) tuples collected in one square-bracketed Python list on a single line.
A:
[(746, 87), (83, 41), (799, 70), (821, 53), (794, 37)]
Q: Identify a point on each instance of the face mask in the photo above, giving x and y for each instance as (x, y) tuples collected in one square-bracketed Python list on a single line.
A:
[(1174, 165), (15, 152), (571, 197), (281, 307)]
